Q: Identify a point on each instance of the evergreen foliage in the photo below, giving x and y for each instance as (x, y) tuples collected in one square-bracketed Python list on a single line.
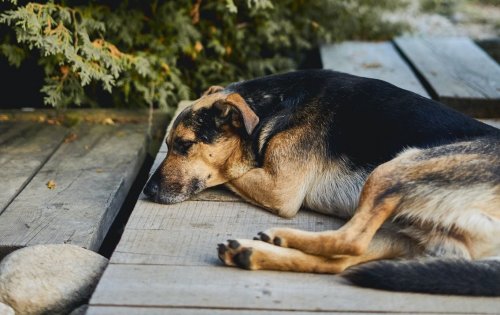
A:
[(158, 52)]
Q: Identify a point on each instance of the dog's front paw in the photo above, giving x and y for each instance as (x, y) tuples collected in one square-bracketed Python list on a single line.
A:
[(233, 253)]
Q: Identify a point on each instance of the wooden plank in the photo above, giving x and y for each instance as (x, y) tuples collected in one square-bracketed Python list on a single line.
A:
[(187, 233), (92, 174), (24, 148), (230, 288), (492, 122), (112, 310), (460, 73), (372, 60)]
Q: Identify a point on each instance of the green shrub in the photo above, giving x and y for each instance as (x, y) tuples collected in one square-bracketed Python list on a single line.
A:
[(158, 52), (443, 7)]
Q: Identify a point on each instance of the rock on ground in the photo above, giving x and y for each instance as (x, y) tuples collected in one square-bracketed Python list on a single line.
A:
[(6, 310), (52, 279)]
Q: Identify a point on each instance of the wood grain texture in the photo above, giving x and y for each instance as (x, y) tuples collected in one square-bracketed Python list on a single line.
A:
[(92, 175), (187, 233), (460, 73), (372, 60), (230, 288), (24, 148), (110, 310)]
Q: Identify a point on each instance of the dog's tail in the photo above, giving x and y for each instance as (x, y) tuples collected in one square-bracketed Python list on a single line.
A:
[(438, 276)]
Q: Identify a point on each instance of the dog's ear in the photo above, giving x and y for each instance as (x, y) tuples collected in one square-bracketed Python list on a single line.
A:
[(234, 100), (213, 89)]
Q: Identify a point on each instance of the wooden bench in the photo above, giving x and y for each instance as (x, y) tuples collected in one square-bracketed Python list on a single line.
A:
[(66, 185)]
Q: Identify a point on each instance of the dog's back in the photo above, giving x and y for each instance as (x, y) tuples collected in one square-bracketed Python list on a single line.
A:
[(367, 120)]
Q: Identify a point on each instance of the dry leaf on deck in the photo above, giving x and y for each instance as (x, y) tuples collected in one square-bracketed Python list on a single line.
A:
[(51, 184), (108, 121), (70, 138)]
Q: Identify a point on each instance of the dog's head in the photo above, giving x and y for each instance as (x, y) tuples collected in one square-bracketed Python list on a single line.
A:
[(204, 143)]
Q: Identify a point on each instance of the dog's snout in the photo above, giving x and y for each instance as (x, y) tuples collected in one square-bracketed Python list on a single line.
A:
[(152, 186)]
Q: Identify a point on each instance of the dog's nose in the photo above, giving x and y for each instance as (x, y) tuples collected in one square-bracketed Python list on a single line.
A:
[(152, 187)]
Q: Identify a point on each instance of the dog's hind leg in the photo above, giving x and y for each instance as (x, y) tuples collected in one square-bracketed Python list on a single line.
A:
[(447, 193), (258, 255), (354, 237)]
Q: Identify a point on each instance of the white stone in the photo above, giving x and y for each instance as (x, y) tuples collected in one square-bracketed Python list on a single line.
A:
[(6, 310), (52, 279)]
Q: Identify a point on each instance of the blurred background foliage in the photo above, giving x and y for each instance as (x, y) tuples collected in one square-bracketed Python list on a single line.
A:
[(138, 53)]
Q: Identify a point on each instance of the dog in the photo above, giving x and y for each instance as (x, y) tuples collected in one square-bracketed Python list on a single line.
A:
[(418, 182)]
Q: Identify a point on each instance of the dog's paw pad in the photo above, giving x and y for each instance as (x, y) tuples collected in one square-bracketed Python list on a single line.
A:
[(264, 237), (277, 241), (243, 258), (233, 244), (268, 237), (233, 254)]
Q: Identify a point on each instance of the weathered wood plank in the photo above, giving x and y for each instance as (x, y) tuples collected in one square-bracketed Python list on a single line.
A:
[(230, 288), (187, 233), (460, 73), (24, 148), (112, 310), (92, 174), (372, 60), (492, 122)]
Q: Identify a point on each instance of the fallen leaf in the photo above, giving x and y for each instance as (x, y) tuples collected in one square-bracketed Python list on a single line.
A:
[(108, 121), (51, 184), (53, 122), (70, 138), (4, 117), (372, 65), (99, 170)]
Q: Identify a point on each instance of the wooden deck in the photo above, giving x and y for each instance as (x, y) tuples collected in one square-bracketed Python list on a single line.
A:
[(66, 184)]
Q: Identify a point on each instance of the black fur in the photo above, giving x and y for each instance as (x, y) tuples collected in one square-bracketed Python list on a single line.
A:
[(437, 276), (387, 118)]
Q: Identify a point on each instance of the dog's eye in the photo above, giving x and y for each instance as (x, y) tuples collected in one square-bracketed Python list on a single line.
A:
[(182, 146), (204, 138)]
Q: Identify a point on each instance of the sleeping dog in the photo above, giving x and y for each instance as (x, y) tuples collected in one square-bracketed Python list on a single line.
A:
[(357, 148)]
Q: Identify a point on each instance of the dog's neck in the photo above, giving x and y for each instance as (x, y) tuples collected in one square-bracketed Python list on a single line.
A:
[(240, 161)]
